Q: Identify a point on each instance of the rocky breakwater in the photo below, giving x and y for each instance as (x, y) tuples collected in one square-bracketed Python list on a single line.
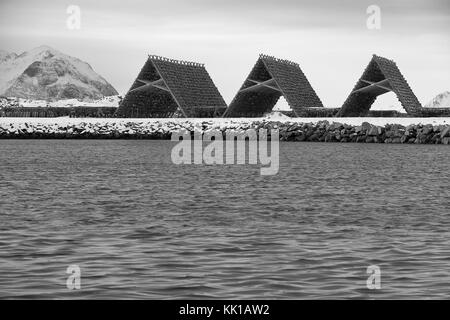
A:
[(87, 130), (366, 133), (322, 131)]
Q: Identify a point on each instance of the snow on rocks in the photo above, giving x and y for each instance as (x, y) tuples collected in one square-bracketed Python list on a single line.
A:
[(377, 131)]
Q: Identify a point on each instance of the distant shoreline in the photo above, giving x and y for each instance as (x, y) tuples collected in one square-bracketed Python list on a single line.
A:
[(367, 130)]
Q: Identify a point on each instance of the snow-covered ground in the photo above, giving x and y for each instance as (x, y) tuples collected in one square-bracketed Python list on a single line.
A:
[(111, 101), (223, 121)]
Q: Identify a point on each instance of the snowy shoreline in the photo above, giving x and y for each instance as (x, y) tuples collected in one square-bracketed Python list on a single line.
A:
[(369, 130), (378, 121)]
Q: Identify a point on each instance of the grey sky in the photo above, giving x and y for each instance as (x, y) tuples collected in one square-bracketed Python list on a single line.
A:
[(328, 38)]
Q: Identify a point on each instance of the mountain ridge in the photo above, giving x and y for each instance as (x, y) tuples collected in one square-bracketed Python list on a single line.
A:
[(48, 74), (442, 100)]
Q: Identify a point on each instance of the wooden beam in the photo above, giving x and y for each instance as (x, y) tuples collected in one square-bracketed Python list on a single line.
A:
[(159, 84), (269, 81), (378, 88), (207, 107), (262, 84), (373, 90), (162, 87), (171, 93), (382, 84), (150, 82)]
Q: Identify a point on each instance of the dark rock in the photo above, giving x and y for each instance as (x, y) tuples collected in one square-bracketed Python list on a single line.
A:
[(427, 130), (360, 139), (404, 139), (375, 131), (366, 126), (445, 132)]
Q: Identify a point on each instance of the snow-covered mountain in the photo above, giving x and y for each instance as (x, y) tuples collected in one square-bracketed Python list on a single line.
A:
[(45, 73), (442, 100), (5, 56)]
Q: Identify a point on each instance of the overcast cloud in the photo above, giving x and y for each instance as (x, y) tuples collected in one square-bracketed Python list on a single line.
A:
[(329, 38)]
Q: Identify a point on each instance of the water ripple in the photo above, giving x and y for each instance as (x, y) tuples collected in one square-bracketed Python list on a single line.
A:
[(140, 227)]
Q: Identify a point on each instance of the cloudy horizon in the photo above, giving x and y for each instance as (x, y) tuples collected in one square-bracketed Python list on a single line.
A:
[(329, 39)]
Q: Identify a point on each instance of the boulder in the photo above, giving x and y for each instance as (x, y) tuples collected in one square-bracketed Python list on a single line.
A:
[(366, 126), (445, 132), (446, 140), (427, 129), (335, 125), (300, 137), (360, 139), (375, 131), (313, 137), (389, 133), (404, 139)]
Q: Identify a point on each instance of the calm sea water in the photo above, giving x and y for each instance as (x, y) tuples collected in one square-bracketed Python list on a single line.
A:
[(140, 227)]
